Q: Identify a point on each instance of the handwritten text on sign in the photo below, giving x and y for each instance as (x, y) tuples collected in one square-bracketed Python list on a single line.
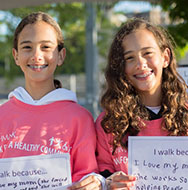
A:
[(35, 172), (160, 163)]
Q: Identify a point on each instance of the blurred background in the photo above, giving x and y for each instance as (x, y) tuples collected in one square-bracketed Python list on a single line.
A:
[(88, 28)]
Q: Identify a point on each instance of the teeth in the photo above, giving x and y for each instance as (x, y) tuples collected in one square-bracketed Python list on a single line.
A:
[(143, 75), (37, 66)]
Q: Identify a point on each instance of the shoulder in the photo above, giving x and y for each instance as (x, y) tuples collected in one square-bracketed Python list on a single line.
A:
[(7, 108), (74, 112), (6, 104), (100, 117), (77, 109), (98, 121), (102, 136), (80, 120)]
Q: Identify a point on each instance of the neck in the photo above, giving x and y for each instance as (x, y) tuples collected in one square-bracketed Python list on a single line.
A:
[(38, 90), (151, 100)]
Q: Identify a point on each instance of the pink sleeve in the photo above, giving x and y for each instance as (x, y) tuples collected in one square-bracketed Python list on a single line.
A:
[(83, 151), (104, 155)]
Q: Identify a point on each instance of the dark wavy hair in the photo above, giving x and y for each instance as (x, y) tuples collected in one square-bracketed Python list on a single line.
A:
[(124, 111)]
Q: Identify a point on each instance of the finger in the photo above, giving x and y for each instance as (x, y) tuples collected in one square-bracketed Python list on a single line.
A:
[(118, 173), (119, 185), (83, 182), (94, 185), (117, 188), (91, 186), (91, 182), (121, 176), (126, 178)]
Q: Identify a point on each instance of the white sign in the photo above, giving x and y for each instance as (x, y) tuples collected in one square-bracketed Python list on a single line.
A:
[(47, 172), (183, 71), (159, 163)]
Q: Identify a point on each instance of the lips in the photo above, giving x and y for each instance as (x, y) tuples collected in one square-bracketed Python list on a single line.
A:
[(143, 75), (37, 67)]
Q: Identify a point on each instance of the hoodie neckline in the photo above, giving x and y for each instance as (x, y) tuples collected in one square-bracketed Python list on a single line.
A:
[(56, 95)]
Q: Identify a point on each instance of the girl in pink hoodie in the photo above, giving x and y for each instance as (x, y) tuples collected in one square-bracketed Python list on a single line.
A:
[(41, 118)]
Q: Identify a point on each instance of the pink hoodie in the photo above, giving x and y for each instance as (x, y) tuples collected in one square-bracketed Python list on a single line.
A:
[(56, 124), (119, 161)]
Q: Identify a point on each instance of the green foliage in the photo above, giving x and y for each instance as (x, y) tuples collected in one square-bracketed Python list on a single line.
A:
[(177, 8), (72, 28), (72, 19), (178, 12), (179, 33), (8, 68)]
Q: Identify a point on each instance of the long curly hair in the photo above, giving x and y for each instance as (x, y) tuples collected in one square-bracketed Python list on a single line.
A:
[(124, 111)]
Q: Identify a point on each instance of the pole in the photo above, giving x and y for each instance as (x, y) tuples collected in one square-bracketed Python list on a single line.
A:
[(92, 87)]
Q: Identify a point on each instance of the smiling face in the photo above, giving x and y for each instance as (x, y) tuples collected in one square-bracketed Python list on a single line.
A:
[(37, 53), (144, 61)]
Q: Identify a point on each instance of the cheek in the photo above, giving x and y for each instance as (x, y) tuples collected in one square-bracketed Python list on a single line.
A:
[(157, 66), (128, 69), (49, 59), (22, 57), (53, 56)]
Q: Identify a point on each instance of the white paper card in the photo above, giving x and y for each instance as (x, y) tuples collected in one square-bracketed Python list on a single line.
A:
[(47, 172), (160, 163)]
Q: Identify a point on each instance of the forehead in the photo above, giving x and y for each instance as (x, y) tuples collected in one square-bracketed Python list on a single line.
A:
[(38, 31), (139, 39)]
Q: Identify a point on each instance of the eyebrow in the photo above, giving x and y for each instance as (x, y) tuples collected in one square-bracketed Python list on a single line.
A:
[(145, 48), (43, 41), (25, 42)]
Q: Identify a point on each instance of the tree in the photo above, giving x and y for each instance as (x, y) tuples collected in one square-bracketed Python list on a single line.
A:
[(72, 29), (177, 10), (71, 18)]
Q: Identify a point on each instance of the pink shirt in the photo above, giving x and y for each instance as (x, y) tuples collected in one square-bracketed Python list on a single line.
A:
[(58, 127), (119, 161)]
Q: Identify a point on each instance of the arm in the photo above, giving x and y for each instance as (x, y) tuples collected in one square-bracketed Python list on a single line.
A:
[(114, 179), (84, 164), (104, 150)]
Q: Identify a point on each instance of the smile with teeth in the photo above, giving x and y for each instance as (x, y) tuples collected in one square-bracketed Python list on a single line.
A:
[(144, 75), (37, 66)]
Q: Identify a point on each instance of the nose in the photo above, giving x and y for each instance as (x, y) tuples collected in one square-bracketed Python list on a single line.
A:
[(36, 55), (141, 63)]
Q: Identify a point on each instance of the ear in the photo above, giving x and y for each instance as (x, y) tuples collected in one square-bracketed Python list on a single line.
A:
[(62, 55), (15, 55), (166, 58)]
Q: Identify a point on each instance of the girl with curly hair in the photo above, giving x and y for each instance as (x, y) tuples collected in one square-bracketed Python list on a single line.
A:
[(145, 96)]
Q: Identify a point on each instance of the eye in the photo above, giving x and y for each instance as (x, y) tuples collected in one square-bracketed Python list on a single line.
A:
[(148, 53), (129, 58), (26, 47), (45, 47)]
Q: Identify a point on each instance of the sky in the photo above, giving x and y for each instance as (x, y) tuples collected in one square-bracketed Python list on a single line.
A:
[(123, 6), (2, 26), (132, 6)]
